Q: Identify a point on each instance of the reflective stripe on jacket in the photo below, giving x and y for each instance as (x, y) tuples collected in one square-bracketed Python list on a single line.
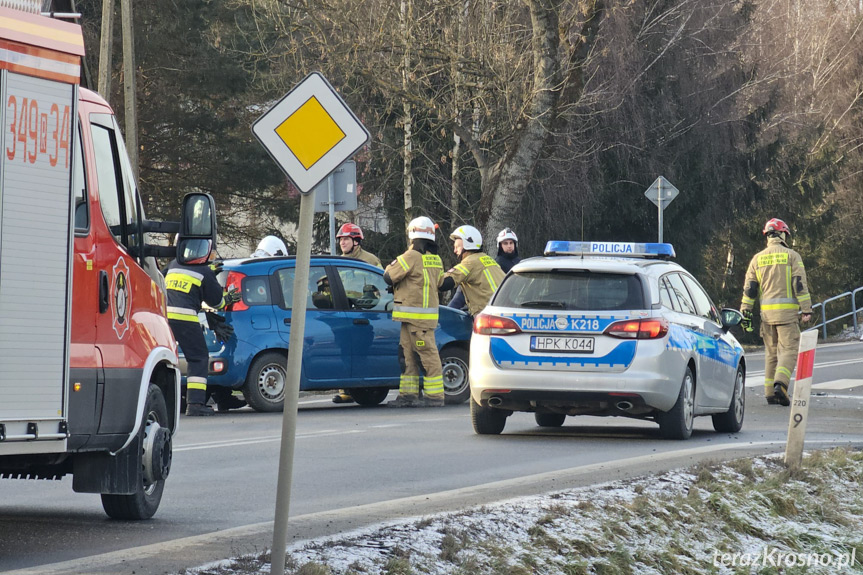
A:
[(777, 277), (478, 275), (188, 287), (416, 278)]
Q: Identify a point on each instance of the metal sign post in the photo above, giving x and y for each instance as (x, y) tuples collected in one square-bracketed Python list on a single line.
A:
[(338, 194), (331, 195), (661, 192), (308, 133)]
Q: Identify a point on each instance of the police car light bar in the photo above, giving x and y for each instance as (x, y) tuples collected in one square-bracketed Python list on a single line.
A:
[(609, 249)]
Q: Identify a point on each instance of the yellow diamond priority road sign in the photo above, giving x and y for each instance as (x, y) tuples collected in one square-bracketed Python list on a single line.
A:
[(310, 132)]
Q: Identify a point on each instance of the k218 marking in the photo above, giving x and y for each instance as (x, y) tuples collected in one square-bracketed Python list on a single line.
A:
[(584, 324)]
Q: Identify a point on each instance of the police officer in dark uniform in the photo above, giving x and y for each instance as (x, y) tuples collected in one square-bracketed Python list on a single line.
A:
[(189, 285)]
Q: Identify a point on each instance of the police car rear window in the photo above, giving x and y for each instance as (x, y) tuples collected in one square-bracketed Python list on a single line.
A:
[(571, 290)]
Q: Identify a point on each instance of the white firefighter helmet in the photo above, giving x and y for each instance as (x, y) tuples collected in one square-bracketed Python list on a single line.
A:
[(506, 234), (270, 246), (421, 228), (470, 237)]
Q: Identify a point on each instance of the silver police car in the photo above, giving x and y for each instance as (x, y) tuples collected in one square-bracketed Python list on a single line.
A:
[(605, 328)]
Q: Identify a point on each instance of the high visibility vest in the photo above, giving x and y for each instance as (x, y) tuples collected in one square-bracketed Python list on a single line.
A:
[(188, 286), (776, 276), (416, 278), (478, 275)]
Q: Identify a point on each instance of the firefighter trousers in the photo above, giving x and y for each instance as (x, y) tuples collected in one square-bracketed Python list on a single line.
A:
[(191, 339), (781, 343), (420, 350)]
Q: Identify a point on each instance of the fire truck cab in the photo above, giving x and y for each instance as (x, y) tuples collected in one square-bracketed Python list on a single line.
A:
[(89, 383)]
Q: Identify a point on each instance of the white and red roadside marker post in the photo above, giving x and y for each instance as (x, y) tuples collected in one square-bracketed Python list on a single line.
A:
[(800, 401)]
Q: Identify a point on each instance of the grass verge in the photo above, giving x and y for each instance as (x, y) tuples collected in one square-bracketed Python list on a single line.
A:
[(749, 516)]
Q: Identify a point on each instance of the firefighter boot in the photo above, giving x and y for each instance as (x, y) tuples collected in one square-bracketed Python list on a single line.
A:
[(197, 409), (780, 390), (433, 400), (772, 400), (404, 401)]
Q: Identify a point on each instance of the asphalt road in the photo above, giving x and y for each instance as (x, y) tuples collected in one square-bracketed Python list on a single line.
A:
[(355, 466)]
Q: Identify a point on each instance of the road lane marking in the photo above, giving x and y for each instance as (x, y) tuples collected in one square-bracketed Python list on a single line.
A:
[(839, 384), (819, 346), (267, 439), (836, 363), (834, 384), (309, 435), (756, 378)]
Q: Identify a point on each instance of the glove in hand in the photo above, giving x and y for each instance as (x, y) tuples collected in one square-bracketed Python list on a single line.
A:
[(746, 322), (219, 326), (232, 296), (217, 266)]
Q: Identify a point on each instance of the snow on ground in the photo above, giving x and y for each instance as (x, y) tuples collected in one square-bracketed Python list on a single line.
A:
[(747, 516)]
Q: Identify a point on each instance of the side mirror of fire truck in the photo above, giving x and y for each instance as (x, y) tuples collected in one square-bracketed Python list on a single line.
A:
[(197, 228), (195, 232)]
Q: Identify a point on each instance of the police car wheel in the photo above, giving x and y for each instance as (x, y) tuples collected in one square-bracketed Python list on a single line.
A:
[(732, 420), (677, 422), (549, 419), (456, 375), (487, 420), (264, 388)]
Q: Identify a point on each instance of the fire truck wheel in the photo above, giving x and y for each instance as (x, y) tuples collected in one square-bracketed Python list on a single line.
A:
[(265, 383), (145, 501)]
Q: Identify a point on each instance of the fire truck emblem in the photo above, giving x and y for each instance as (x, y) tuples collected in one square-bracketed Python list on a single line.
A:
[(122, 296)]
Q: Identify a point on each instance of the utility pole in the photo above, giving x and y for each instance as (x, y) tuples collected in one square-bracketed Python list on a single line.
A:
[(105, 48), (129, 85)]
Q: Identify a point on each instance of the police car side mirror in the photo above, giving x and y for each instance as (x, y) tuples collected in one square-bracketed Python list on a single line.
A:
[(730, 318)]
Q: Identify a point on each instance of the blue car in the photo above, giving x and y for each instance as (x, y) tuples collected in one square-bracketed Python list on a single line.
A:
[(351, 341)]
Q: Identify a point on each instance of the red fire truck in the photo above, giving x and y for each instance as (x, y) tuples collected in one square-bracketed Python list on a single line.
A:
[(89, 384)]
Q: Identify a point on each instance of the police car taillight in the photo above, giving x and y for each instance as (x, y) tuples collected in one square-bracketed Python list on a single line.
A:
[(235, 280), (653, 328), (485, 324)]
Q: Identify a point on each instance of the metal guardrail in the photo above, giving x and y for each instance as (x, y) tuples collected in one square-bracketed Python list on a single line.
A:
[(823, 309)]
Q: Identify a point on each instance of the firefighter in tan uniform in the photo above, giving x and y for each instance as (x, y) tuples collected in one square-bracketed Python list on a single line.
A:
[(350, 239), (476, 273), (777, 277), (416, 276)]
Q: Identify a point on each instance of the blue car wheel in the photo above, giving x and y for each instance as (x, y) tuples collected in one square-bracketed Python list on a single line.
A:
[(456, 379), (265, 383)]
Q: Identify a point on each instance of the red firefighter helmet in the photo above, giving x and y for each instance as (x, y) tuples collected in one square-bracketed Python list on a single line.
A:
[(776, 225), (350, 231)]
